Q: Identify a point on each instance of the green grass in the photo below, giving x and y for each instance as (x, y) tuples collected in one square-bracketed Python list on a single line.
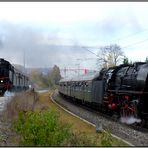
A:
[(106, 139)]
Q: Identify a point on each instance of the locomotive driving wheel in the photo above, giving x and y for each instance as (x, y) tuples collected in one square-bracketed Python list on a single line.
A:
[(129, 112)]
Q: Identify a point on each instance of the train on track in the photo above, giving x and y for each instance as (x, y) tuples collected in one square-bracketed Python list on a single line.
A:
[(11, 79), (120, 90)]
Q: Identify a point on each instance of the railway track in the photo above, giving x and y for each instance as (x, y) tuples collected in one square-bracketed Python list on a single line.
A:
[(3, 102), (113, 118), (134, 136)]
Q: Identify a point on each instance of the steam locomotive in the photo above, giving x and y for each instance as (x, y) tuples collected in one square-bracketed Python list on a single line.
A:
[(11, 79), (121, 90)]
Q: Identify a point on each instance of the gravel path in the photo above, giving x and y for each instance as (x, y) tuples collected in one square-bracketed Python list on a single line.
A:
[(137, 138), (5, 131)]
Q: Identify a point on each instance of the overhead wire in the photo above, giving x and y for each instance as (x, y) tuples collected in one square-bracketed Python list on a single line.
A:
[(130, 35), (135, 43), (85, 47), (89, 51)]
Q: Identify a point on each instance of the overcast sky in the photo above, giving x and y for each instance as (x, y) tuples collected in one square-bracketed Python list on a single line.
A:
[(49, 33)]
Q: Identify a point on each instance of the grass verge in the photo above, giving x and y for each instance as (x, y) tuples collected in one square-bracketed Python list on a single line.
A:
[(37, 121)]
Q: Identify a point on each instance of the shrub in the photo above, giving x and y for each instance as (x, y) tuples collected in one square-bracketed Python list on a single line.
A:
[(21, 102), (41, 129), (46, 129)]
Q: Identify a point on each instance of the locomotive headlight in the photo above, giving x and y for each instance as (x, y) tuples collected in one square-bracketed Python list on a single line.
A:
[(1, 81)]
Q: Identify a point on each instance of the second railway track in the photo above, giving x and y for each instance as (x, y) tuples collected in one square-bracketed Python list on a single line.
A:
[(131, 136)]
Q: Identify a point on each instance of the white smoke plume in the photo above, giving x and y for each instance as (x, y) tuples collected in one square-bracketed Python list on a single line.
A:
[(8, 94), (129, 120)]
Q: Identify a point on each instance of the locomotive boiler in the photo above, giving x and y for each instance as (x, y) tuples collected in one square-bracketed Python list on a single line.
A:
[(121, 89), (127, 89)]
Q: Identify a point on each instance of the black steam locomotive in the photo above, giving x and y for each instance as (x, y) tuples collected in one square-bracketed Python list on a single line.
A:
[(121, 89), (11, 79)]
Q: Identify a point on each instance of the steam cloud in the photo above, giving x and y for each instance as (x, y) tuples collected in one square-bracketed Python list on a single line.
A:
[(20, 41), (130, 120)]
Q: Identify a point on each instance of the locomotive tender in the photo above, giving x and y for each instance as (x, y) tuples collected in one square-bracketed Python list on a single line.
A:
[(11, 79), (121, 89)]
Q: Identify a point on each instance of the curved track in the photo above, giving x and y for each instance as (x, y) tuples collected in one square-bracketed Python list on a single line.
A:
[(61, 103), (134, 137)]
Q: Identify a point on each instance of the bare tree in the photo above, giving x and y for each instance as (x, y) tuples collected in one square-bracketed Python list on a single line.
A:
[(110, 56)]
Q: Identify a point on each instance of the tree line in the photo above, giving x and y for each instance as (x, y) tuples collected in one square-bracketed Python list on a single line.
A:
[(43, 81)]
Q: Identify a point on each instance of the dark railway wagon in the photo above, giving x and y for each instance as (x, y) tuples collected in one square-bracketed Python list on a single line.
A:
[(83, 88)]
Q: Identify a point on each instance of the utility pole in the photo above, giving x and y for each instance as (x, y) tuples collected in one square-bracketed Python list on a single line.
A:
[(78, 64), (65, 72), (24, 62)]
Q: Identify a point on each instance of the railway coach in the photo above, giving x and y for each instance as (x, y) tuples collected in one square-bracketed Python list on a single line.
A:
[(87, 89)]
